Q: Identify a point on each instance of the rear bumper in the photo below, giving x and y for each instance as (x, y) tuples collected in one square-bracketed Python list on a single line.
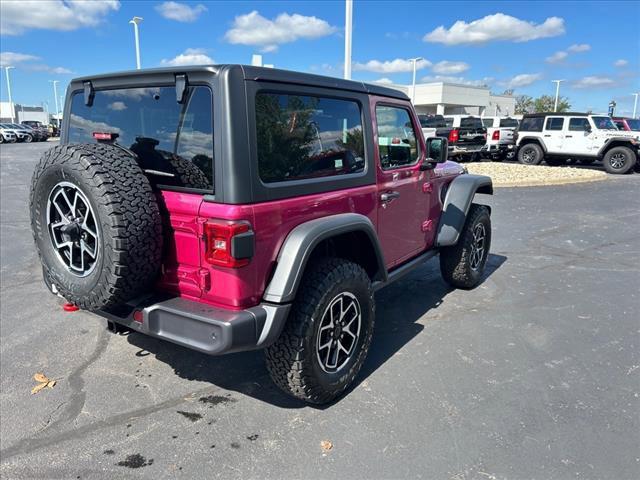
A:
[(203, 327), (498, 148), (466, 150)]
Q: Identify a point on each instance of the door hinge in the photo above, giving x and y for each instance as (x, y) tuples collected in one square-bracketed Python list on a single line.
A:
[(427, 187)]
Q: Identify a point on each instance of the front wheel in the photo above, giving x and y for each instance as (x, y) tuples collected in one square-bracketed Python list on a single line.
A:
[(619, 160), (28, 139), (328, 333), (530, 154), (462, 265)]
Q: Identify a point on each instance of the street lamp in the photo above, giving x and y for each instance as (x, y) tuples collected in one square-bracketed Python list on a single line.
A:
[(413, 90), (9, 92), (55, 93), (136, 21), (348, 20), (635, 104), (557, 82)]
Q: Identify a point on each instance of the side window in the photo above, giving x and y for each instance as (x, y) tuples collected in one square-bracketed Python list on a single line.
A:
[(554, 123), (397, 142), (301, 137), (195, 133), (448, 122), (578, 124), (531, 124), (619, 124)]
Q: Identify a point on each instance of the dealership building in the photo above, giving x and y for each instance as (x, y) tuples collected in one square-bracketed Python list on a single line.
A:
[(451, 98)]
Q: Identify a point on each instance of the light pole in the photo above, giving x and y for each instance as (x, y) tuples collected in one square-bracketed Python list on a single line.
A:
[(413, 90), (55, 94), (136, 21), (348, 20), (635, 104), (9, 92), (557, 82)]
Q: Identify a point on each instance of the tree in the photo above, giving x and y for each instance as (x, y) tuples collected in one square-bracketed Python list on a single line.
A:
[(545, 103), (524, 104)]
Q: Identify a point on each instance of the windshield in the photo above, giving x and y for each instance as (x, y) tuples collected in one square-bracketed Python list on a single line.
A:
[(149, 121), (604, 123)]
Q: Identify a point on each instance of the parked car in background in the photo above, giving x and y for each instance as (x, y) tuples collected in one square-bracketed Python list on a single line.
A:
[(627, 124), (40, 127), (7, 135), (21, 132), (500, 143), (556, 137), (36, 134), (430, 124), (466, 134)]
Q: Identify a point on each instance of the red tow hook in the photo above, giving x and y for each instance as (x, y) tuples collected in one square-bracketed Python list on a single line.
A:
[(70, 307)]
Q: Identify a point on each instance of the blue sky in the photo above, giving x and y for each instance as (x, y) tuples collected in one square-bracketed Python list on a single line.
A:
[(594, 46)]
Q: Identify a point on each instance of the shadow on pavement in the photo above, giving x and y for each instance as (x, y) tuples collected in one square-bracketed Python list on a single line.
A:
[(398, 309)]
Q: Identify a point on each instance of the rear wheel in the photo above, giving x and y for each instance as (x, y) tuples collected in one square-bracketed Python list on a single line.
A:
[(462, 265), (530, 154), (619, 160), (328, 333)]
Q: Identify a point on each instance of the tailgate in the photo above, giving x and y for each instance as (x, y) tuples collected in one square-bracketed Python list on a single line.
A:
[(472, 136)]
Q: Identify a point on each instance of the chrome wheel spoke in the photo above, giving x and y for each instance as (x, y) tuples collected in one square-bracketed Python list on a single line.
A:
[(338, 332)]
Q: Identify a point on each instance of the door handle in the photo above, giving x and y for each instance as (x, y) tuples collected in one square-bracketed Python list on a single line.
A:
[(387, 196), (547, 135), (568, 136)]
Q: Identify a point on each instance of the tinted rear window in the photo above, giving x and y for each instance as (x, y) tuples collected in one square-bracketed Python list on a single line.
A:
[(432, 121), (487, 122), (531, 124), (166, 136), (301, 137), (508, 122), (471, 122)]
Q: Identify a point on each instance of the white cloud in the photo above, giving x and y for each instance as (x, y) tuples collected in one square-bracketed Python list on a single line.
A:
[(180, 12), (562, 55), (255, 30), (621, 63), (390, 66), (594, 81), (497, 27), (24, 61), (191, 56), (19, 17), (522, 80), (448, 68), (384, 81), (13, 58), (484, 82), (579, 47), (117, 106), (557, 57)]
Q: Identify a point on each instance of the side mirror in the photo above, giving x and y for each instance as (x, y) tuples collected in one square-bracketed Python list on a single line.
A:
[(437, 150), (587, 128)]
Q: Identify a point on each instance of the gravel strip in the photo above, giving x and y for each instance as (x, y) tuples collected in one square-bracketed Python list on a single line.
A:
[(518, 175)]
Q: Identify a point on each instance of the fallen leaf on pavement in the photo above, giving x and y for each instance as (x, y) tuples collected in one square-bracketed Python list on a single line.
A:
[(40, 377), (326, 445), (38, 387), (51, 383)]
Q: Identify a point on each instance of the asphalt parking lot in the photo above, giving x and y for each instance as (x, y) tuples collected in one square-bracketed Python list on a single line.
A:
[(535, 374)]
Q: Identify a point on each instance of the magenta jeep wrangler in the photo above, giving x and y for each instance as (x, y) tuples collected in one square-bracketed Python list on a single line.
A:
[(230, 208)]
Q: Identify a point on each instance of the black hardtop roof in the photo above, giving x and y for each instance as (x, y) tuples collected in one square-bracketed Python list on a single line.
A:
[(558, 114), (258, 73)]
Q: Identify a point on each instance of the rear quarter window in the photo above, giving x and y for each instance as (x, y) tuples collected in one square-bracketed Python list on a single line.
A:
[(302, 137), (531, 124)]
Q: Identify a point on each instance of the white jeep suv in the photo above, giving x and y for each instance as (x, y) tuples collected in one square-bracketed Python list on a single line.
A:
[(556, 137)]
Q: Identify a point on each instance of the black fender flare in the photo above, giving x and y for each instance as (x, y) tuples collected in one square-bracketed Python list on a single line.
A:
[(457, 202), (529, 139), (300, 243), (620, 142)]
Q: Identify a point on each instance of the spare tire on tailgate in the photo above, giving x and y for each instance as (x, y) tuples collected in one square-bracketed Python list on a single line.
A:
[(96, 224)]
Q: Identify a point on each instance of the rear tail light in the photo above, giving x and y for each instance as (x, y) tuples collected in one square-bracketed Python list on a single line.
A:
[(228, 244), (454, 135), (105, 136), (496, 135)]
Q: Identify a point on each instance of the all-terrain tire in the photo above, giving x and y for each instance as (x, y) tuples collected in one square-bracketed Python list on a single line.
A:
[(458, 262), (293, 360), (530, 154), (127, 221), (619, 160), (188, 173)]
